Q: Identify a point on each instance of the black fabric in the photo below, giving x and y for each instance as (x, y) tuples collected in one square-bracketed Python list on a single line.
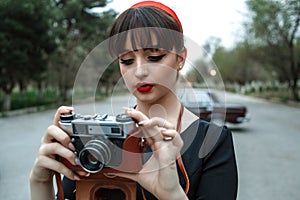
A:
[(69, 189), (209, 158)]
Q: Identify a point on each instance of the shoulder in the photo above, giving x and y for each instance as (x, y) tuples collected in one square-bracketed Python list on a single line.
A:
[(210, 161), (205, 136)]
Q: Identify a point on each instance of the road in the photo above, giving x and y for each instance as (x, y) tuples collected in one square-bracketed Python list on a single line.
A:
[(267, 149)]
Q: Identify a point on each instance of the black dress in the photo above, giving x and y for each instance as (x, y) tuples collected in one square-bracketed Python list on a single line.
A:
[(209, 158)]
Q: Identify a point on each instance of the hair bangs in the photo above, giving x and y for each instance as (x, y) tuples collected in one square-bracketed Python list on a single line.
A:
[(140, 28), (145, 38)]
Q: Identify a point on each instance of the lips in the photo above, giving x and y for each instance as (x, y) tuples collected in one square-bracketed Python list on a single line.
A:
[(144, 87)]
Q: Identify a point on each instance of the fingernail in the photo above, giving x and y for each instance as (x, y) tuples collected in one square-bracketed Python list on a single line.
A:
[(71, 146), (70, 108), (77, 161), (76, 178), (128, 108), (167, 138), (83, 173), (141, 123), (163, 130)]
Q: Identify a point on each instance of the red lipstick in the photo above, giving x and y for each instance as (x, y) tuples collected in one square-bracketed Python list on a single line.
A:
[(144, 87)]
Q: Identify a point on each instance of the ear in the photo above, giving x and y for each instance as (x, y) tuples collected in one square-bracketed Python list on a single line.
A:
[(181, 57)]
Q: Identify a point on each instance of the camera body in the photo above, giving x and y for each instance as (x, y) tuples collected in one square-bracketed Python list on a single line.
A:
[(104, 141)]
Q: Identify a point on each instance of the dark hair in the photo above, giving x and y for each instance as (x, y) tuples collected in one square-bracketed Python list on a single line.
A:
[(143, 25)]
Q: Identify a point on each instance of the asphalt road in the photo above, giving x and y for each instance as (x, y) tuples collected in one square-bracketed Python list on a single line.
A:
[(267, 149)]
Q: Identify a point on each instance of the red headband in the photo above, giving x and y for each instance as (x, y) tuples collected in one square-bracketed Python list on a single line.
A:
[(158, 5)]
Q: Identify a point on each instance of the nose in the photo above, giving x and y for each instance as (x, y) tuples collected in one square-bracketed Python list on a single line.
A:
[(141, 69)]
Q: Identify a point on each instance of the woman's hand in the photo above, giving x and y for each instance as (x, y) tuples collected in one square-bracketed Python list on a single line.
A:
[(159, 174), (55, 143)]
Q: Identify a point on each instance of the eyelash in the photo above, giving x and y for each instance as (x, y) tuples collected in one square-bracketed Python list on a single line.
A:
[(156, 58), (150, 58), (126, 62)]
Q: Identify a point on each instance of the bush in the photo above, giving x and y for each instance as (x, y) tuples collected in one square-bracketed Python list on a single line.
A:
[(30, 98)]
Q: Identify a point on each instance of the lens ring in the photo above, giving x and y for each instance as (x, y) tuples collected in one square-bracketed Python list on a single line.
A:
[(94, 156), (103, 146)]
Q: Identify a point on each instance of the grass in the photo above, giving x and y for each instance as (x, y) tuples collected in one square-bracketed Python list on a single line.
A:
[(48, 99)]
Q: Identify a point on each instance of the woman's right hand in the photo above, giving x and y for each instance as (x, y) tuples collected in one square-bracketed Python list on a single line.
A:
[(55, 143)]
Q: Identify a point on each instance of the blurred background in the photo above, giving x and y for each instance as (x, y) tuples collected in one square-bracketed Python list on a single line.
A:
[(43, 44), (255, 45)]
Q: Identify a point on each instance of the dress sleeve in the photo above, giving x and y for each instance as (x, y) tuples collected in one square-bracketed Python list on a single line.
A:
[(218, 176)]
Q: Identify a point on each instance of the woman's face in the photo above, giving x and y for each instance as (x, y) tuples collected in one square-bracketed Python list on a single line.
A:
[(150, 73)]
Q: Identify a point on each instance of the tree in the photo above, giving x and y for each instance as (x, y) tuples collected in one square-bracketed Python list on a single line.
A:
[(24, 42), (275, 27), (212, 44), (238, 65), (78, 30)]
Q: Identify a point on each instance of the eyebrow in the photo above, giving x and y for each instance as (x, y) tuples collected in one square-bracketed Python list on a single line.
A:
[(152, 49), (145, 48)]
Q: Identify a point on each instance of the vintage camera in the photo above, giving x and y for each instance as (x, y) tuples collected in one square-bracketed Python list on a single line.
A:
[(104, 144), (103, 141)]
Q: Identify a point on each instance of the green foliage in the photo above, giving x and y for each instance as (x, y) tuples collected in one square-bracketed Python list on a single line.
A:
[(270, 47), (80, 31), (274, 29), (24, 42), (44, 42), (30, 98), (238, 65)]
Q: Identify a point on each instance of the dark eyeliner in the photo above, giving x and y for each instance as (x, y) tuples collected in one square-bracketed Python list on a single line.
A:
[(126, 62), (156, 58)]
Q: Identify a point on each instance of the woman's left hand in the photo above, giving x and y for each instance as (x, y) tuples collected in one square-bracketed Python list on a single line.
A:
[(159, 174)]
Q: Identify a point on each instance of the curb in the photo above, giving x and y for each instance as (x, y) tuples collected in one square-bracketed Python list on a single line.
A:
[(24, 111)]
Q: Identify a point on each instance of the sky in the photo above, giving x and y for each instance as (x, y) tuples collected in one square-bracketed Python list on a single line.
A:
[(202, 19)]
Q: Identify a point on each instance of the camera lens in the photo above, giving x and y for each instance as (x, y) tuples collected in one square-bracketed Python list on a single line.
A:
[(94, 156)]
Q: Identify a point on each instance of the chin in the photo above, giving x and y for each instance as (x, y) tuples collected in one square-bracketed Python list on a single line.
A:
[(145, 97)]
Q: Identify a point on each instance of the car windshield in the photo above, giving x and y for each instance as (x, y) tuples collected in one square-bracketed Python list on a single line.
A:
[(198, 97)]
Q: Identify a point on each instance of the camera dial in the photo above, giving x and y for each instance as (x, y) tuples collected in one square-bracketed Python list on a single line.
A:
[(123, 118), (67, 118)]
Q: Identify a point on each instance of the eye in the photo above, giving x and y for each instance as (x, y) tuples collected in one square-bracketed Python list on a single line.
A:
[(156, 58), (126, 61)]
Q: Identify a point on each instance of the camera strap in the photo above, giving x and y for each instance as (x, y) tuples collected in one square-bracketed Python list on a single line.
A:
[(60, 189), (179, 158)]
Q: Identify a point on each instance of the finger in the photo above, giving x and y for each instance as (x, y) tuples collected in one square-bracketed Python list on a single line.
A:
[(123, 175), (141, 117), (148, 137), (137, 115), (83, 173), (61, 110), (54, 165), (54, 133), (174, 135), (161, 123), (55, 148), (157, 121)]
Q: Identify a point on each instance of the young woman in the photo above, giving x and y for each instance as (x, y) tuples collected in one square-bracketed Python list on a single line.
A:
[(147, 39)]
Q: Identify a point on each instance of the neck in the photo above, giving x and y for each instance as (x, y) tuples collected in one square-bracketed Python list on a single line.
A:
[(167, 108)]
